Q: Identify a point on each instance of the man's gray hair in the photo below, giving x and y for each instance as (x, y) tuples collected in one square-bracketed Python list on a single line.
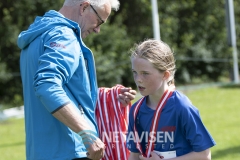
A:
[(98, 3)]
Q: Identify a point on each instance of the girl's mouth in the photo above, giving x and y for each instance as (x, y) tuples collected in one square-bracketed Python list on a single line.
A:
[(141, 88)]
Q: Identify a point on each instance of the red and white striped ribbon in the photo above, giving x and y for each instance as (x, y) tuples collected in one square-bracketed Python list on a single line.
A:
[(154, 124), (112, 120)]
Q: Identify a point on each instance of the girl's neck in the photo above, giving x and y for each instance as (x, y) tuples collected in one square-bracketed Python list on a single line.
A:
[(151, 104), (153, 100)]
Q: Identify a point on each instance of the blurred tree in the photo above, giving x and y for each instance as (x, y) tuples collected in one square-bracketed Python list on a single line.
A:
[(195, 29), (110, 48), (15, 17)]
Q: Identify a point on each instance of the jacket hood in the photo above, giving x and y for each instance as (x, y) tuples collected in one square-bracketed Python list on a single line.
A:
[(43, 24)]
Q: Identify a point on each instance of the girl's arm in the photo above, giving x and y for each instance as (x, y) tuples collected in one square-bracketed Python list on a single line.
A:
[(134, 156), (203, 155)]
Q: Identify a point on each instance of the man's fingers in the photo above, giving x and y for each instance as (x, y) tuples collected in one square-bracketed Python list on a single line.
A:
[(96, 155), (133, 92), (125, 90), (96, 149), (126, 95), (122, 100)]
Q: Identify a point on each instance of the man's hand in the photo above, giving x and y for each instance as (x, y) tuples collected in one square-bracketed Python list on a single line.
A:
[(126, 95), (95, 149)]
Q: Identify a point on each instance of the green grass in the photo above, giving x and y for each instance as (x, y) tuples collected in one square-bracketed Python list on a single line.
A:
[(220, 111), (12, 140), (219, 108)]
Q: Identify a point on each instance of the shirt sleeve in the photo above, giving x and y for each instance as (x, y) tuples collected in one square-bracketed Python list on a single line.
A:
[(56, 66), (194, 129)]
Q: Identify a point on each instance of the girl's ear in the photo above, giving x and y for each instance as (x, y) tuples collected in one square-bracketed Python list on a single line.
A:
[(166, 75)]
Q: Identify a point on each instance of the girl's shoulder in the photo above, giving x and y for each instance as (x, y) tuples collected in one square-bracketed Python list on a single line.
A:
[(180, 97), (180, 100)]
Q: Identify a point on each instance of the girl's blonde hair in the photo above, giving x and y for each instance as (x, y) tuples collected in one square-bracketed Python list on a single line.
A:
[(158, 53)]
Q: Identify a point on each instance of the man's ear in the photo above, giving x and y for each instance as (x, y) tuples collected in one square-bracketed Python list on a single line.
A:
[(83, 6)]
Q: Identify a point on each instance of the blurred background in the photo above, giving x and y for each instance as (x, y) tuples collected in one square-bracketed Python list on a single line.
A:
[(195, 29)]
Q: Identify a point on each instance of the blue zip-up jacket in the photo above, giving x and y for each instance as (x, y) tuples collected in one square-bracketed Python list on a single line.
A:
[(56, 69)]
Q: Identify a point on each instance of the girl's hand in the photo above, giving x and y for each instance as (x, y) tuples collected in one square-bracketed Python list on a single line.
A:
[(154, 156)]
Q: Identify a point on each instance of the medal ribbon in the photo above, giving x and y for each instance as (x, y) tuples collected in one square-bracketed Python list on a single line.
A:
[(154, 124), (112, 120)]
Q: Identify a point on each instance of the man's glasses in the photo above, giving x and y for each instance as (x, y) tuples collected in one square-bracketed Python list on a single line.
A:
[(102, 21)]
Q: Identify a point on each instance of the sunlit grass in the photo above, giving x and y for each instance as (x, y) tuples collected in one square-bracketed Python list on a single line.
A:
[(220, 112), (12, 140)]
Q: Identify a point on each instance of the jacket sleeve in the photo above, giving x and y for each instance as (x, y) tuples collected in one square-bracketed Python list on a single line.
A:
[(56, 66)]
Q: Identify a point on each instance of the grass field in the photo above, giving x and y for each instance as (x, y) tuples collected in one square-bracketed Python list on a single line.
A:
[(12, 140), (220, 111), (219, 108)]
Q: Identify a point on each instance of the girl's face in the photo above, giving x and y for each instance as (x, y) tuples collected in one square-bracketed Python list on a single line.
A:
[(147, 78)]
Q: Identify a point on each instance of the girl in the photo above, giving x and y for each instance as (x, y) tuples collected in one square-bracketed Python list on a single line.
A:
[(164, 123)]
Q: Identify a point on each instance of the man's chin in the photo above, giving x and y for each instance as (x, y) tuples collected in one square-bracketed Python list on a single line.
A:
[(83, 36)]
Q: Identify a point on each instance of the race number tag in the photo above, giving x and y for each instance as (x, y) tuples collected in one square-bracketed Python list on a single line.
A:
[(166, 155)]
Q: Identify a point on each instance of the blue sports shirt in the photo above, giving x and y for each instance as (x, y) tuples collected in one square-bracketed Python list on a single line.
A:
[(180, 127)]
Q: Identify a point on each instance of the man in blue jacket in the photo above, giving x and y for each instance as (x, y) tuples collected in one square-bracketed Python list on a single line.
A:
[(59, 82)]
